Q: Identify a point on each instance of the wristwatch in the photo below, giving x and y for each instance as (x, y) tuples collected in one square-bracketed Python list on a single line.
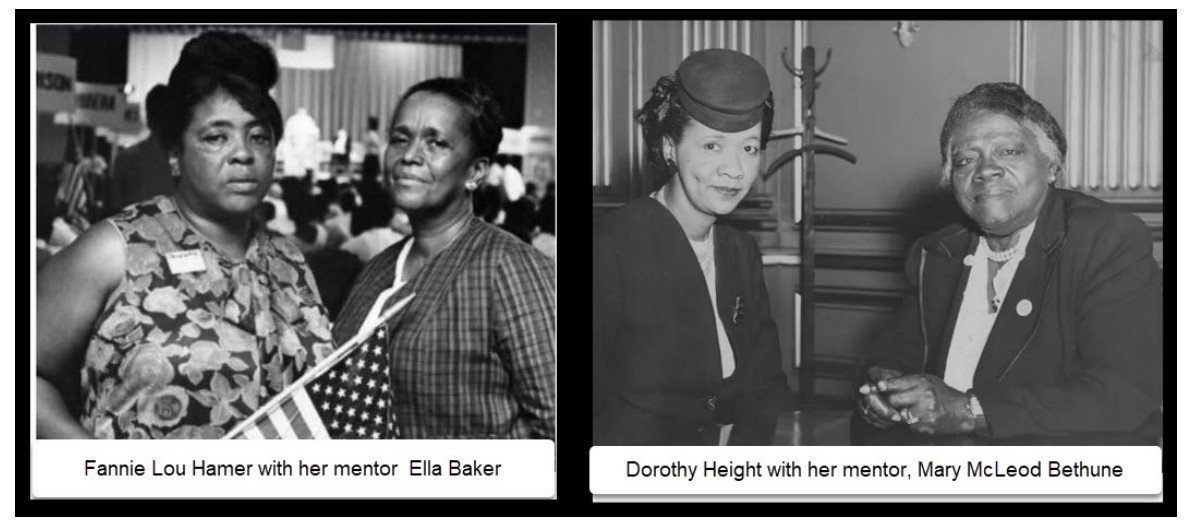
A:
[(974, 407)]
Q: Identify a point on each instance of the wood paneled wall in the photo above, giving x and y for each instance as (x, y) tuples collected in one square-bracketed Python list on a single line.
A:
[(1099, 79)]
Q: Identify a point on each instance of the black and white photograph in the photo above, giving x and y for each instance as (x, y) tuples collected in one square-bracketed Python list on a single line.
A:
[(295, 232), (896, 232)]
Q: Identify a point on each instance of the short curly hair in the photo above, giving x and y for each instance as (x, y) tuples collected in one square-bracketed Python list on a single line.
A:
[(479, 103), (1010, 100), (663, 115), (220, 61)]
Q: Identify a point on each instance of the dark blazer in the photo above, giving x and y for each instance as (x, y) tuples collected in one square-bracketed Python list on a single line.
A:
[(656, 357), (1088, 355)]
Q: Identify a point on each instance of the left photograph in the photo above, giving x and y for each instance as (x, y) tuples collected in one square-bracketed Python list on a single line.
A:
[(295, 232)]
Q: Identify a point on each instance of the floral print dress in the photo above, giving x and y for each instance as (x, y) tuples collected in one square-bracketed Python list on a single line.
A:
[(184, 350)]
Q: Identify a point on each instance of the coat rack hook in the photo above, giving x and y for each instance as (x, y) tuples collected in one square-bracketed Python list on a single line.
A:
[(786, 62), (827, 60)]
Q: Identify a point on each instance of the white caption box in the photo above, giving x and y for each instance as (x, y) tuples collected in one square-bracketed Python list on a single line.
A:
[(246, 468), (876, 470)]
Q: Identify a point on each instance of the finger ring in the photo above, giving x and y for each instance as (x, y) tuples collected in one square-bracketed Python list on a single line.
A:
[(910, 419)]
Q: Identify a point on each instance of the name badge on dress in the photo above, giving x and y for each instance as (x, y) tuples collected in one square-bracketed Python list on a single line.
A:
[(185, 261)]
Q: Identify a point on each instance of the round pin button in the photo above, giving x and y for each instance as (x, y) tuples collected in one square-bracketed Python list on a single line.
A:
[(1024, 307)]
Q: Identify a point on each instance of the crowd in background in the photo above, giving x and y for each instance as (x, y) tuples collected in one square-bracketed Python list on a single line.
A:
[(339, 222)]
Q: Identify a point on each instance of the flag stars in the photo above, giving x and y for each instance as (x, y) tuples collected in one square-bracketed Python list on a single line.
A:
[(353, 398)]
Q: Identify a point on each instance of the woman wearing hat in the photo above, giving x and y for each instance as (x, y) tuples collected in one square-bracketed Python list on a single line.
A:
[(685, 351)]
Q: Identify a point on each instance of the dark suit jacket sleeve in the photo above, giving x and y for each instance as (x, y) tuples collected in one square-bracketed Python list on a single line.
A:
[(901, 347), (1117, 379), (525, 328)]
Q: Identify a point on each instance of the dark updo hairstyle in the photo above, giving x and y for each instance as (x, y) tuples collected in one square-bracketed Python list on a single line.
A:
[(1010, 100), (157, 107), (479, 104), (219, 61), (663, 115)]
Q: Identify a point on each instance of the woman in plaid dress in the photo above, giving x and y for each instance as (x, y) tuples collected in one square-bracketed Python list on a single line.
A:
[(473, 355)]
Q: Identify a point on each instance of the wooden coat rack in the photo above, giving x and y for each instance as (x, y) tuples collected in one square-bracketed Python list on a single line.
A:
[(808, 75)]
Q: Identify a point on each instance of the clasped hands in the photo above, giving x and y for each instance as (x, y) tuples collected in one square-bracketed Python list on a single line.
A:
[(921, 401)]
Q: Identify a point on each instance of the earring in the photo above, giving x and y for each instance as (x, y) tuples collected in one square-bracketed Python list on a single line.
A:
[(174, 168), (470, 185)]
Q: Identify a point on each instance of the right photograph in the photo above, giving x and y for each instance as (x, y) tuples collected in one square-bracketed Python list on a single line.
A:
[(877, 233)]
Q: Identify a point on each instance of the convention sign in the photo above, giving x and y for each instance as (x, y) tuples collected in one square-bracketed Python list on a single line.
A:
[(130, 123), (99, 105), (55, 83)]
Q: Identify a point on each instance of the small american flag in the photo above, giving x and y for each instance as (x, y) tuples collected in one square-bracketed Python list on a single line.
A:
[(344, 396), (353, 398)]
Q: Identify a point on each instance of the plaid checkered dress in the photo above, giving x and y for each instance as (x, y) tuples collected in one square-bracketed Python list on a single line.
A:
[(473, 355)]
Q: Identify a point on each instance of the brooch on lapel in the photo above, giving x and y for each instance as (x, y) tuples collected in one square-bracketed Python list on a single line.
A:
[(738, 311)]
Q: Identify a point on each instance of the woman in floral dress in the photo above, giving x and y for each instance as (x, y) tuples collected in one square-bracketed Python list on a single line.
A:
[(177, 317)]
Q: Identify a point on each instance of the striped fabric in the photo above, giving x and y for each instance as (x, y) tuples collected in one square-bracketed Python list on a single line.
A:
[(474, 355), (75, 193)]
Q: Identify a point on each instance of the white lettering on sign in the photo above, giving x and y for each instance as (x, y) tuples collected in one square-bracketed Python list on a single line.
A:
[(55, 80)]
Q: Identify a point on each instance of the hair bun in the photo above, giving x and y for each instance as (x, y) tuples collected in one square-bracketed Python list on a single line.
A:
[(228, 53)]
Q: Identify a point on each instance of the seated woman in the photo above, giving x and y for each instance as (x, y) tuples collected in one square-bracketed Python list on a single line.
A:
[(182, 316), (685, 351), (1040, 314), (473, 354)]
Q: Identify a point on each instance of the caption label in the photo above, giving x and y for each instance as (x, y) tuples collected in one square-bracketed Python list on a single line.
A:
[(293, 468), (1114, 470)]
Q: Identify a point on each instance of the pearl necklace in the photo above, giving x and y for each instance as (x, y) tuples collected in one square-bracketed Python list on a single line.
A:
[(1002, 257)]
